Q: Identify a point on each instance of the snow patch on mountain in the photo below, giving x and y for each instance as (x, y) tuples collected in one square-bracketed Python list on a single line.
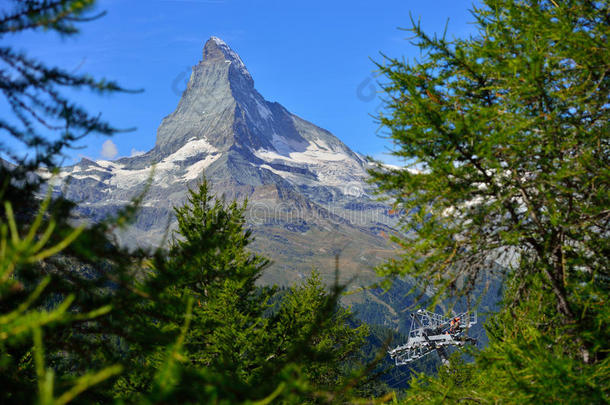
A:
[(107, 164), (196, 170), (86, 176), (193, 147), (166, 172), (289, 176), (288, 150)]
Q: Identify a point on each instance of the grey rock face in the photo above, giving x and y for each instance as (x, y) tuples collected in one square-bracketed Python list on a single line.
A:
[(308, 198)]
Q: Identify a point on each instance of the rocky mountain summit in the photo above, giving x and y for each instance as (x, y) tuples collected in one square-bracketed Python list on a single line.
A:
[(308, 198)]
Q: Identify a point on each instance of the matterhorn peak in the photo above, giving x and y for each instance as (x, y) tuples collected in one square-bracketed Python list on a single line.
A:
[(306, 186), (217, 50), (221, 112)]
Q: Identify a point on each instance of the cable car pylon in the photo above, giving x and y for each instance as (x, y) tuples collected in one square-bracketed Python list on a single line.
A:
[(431, 332)]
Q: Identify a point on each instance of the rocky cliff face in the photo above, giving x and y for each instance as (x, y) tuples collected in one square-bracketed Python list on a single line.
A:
[(308, 199)]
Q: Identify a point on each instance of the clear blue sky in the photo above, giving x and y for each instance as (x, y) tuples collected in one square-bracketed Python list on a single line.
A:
[(311, 56)]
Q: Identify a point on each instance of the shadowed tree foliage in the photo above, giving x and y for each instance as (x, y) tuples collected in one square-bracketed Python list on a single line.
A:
[(246, 342), (45, 304), (506, 135)]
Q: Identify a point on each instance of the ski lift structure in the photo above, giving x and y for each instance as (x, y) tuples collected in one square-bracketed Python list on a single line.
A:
[(431, 332)]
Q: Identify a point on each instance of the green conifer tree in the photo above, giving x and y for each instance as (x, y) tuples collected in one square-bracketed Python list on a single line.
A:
[(244, 341), (44, 303), (507, 133)]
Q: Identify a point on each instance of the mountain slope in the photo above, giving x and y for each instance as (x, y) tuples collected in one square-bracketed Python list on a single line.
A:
[(308, 198)]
